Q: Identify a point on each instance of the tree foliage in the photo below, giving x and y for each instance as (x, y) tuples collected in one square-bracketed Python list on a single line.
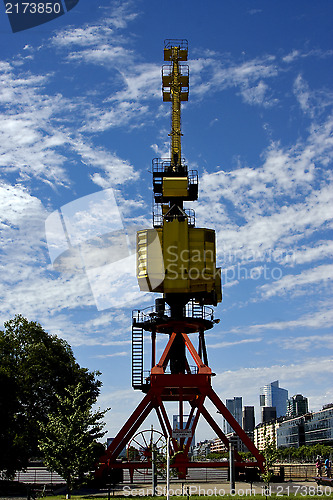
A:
[(304, 453), (35, 370), (69, 436), (271, 455), (217, 455)]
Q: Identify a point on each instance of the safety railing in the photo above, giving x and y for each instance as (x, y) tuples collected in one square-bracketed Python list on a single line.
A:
[(164, 165), (158, 217), (192, 310), (182, 43)]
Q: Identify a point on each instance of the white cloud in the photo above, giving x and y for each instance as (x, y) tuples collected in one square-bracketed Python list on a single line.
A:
[(312, 102), (112, 355), (320, 250), (277, 207), (142, 81), (27, 285), (114, 18), (280, 230), (297, 54), (248, 76), (289, 58), (302, 92), (36, 134), (103, 54), (117, 115), (317, 275), (235, 342), (288, 170), (322, 318), (35, 294), (257, 95), (306, 343), (29, 144), (22, 219), (162, 151), (115, 171), (18, 206)]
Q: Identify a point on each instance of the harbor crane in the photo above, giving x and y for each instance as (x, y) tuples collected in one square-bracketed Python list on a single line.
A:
[(177, 260)]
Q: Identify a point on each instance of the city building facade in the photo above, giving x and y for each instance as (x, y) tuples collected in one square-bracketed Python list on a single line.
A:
[(310, 429), (218, 446), (297, 405), (248, 419), (202, 449), (265, 433), (274, 396), (268, 413), (235, 407)]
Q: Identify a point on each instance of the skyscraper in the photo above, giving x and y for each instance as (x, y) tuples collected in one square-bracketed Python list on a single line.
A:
[(248, 421), (235, 408), (268, 413), (274, 396), (297, 405)]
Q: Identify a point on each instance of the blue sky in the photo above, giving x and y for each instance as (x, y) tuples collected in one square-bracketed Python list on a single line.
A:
[(81, 119)]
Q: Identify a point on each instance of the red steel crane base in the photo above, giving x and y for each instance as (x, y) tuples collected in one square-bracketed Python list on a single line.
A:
[(194, 388)]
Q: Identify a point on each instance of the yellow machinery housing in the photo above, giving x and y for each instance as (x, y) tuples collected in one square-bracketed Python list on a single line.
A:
[(177, 258)]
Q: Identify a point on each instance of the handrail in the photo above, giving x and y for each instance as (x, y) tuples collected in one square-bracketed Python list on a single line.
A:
[(193, 310), (158, 217)]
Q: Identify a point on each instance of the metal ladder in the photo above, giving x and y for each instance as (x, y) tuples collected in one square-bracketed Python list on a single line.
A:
[(137, 357), (197, 310)]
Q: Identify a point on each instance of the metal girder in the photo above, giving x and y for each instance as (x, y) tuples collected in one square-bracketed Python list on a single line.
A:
[(193, 388)]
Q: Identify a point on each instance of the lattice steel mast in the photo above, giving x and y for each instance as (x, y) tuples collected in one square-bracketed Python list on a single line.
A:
[(175, 82)]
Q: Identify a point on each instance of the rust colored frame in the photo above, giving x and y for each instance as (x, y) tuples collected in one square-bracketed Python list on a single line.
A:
[(193, 388)]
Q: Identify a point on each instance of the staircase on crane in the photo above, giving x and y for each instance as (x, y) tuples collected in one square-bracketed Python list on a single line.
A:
[(137, 357)]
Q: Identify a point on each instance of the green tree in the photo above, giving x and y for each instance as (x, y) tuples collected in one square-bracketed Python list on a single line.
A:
[(69, 436), (11, 429), (270, 454), (217, 455), (35, 369)]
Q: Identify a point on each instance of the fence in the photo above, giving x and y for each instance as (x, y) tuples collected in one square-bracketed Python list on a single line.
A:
[(295, 471), (38, 475), (194, 475), (290, 471)]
